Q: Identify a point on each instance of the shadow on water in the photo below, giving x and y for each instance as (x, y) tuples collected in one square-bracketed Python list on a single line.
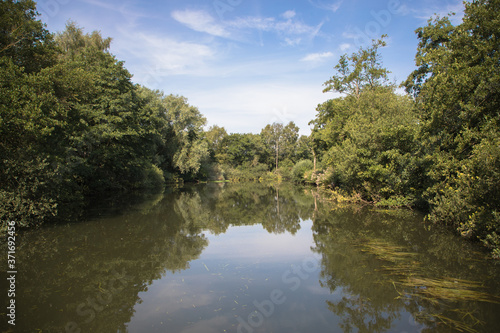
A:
[(377, 270)]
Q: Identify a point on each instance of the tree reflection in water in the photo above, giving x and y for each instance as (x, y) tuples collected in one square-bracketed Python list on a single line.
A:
[(375, 257), (70, 276)]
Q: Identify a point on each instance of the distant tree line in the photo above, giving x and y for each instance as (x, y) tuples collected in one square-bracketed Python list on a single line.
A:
[(269, 155), (74, 126)]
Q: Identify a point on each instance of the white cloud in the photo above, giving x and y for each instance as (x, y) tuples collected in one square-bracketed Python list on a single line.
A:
[(331, 6), (249, 107), (289, 14), (287, 27), (292, 27), (296, 28), (350, 34), (292, 41), (258, 23), (200, 21), (160, 56), (317, 57), (431, 10), (345, 46)]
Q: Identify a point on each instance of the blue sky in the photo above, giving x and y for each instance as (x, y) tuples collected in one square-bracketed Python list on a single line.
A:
[(248, 63)]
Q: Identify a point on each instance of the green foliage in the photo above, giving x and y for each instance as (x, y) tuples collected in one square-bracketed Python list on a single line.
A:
[(29, 115), (303, 150), (300, 168), (359, 71), (457, 87), (239, 149), (440, 150), (214, 136), (72, 124), (26, 198), (247, 172), (186, 144), (280, 140), (23, 38), (72, 40), (368, 143)]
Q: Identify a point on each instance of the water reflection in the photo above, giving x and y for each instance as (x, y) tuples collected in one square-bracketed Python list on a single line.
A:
[(387, 264), (242, 258)]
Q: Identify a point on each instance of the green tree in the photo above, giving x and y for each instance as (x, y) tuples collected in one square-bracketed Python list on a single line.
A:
[(366, 138), (72, 40), (242, 149), (359, 71), (72, 124), (103, 132), (369, 144), (23, 38), (185, 147), (304, 148), (456, 85), (172, 133), (30, 114), (280, 140), (215, 136)]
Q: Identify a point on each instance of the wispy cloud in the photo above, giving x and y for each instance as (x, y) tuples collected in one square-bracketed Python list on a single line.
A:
[(128, 11), (261, 103), (290, 29), (289, 14), (327, 5), (345, 46), (431, 10), (162, 56), (200, 21), (317, 57)]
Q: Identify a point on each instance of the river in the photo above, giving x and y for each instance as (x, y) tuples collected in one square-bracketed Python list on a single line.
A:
[(251, 258)]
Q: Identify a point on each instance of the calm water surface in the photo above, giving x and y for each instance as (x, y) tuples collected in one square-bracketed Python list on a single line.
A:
[(251, 258)]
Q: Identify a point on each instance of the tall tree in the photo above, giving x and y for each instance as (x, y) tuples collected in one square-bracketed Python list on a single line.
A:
[(366, 138), (186, 145), (359, 71), (72, 39), (30, 115), (280, 139)]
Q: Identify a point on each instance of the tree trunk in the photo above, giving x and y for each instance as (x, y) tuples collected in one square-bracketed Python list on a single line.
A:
[(314, 161), (277, 152)]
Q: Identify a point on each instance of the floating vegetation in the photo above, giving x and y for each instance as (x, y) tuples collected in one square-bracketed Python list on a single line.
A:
[(458, 325), (448, 289), (386, 251), (412, 281)]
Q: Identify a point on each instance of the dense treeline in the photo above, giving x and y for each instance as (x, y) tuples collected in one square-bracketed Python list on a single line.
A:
[(74, 126), (438, 149)]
